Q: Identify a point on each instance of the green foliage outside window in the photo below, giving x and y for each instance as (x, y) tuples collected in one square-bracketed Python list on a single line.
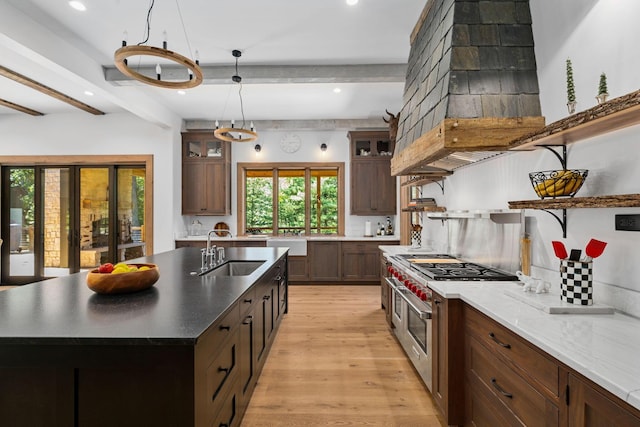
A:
[(291, 194)]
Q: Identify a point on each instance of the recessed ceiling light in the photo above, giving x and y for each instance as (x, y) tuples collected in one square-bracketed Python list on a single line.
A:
[(337, 90), (352, 2), (78, 5), (181, 92), (88, 93)]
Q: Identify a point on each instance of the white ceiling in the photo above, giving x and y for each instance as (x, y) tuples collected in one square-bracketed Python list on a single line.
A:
[(68, 50)]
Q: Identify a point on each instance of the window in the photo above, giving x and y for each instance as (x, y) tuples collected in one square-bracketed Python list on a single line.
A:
[(291, 199)]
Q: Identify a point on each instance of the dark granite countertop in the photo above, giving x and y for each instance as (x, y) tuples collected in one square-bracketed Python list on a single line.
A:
[(176, 310)]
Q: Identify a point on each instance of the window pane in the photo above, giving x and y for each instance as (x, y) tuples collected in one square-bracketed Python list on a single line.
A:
[(131, 236), (259, 202), (324, 202), (291, 199), (94, 217), (21, 210)]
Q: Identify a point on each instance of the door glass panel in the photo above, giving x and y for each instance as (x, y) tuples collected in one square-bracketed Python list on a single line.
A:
[(291, 200), (21, 221), (214, 149), (56, 225), (94, 217), (131, 219)]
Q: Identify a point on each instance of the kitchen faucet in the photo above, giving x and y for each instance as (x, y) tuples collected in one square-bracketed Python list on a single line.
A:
[(210, 251)]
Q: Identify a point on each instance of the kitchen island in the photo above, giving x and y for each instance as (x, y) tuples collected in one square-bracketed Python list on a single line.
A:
[(186, 352)]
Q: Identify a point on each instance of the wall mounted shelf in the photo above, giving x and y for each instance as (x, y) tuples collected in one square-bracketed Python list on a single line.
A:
[(609, 116), (617, 201), (424, 209)]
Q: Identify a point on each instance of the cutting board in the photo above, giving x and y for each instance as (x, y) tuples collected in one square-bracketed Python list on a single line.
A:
[(434, 261), (551, 303)]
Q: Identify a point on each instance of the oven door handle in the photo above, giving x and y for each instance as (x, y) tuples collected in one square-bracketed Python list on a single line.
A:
[(423, 314), (402, 291)]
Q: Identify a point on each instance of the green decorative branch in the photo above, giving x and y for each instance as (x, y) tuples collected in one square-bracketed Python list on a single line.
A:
[(571, 90), (602, 86)]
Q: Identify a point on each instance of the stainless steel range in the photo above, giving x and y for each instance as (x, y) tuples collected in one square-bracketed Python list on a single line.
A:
[(446, 267), (408, 278)]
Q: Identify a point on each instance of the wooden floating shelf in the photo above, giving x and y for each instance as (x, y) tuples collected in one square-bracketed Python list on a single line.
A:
[(424, 209), (618, 201), (425, 179), (612, 115)]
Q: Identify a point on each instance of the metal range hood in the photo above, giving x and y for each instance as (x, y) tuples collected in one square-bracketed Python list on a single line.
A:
[(471, 85)]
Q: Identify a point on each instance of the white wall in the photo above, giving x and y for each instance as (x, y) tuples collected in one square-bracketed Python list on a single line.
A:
[(598, 36), (81, 133), (337, 151)]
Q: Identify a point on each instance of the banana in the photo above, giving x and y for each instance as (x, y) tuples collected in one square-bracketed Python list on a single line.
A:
[(564, 183)]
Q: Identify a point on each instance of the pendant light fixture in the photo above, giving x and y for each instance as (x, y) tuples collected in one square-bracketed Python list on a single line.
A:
[(194, 72), (233, 133)]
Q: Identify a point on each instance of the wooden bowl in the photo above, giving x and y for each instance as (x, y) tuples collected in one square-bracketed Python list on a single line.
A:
[(134, 281)]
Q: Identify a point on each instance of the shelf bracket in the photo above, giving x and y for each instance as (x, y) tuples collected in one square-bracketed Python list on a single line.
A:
[(562, 222), (562, 158), (440, 184)]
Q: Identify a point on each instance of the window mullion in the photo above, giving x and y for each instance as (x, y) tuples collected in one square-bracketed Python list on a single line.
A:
[(276, 196)]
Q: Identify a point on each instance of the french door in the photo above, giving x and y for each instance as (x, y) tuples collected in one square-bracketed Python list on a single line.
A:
[(58, 220)]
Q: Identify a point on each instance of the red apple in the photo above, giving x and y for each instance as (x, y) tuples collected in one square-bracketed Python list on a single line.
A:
[(105, 268)]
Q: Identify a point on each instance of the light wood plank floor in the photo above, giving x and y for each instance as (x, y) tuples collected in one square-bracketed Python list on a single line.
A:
[(335, 362)]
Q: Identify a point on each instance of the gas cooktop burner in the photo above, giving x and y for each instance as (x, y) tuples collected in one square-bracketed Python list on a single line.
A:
[(452, 269)]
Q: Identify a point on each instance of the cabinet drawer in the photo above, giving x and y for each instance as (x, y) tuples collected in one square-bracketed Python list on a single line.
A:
[(229, 412), (506, 386), (222, 372), (225, 326), (515, 350), (247, 301)]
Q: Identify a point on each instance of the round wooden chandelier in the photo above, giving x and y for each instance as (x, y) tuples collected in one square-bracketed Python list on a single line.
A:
[(194, 70), (122, 55), (234, 134)]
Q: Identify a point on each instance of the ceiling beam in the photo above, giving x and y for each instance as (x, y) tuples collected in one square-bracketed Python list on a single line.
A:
[(18, 107), (298, 125), (22, 79), (274, 74)]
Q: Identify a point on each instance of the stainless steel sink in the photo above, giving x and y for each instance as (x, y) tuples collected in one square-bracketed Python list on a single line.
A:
[(235, 268)]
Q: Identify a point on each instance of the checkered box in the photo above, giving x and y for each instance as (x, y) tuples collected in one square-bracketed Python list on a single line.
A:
[(576, 283)]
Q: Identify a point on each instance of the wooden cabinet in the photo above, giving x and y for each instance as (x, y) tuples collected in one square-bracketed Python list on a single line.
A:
[(447, 357), (360, 262), (298, 271), (324, 261), (591, 406), (373, 189), (508, 378), (206, 175)]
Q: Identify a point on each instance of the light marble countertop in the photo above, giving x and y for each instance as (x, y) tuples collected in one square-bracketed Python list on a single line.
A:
[(603, 347), (380, 239)]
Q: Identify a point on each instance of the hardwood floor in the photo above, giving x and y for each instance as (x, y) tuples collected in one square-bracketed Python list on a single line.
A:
[(335, 362)]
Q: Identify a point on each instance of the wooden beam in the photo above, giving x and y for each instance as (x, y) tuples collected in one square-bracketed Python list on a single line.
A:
[(462, 135), (274, 74), (20, 108), (22, 79)]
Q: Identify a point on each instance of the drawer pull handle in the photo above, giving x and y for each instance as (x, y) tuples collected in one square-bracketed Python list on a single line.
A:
[(500, 389), (225, 328), (248, 320), (278, 278), (221, 369), (501, 344), (266, 297), (248, 301)]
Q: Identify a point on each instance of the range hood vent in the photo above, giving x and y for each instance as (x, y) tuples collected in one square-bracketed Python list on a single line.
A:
[(471, 84)]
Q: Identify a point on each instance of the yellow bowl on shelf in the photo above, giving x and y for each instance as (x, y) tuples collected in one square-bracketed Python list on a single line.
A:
[(133, 281), (558, 183)]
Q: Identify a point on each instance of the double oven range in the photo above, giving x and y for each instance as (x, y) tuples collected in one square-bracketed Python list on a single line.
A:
[(408, 277)]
